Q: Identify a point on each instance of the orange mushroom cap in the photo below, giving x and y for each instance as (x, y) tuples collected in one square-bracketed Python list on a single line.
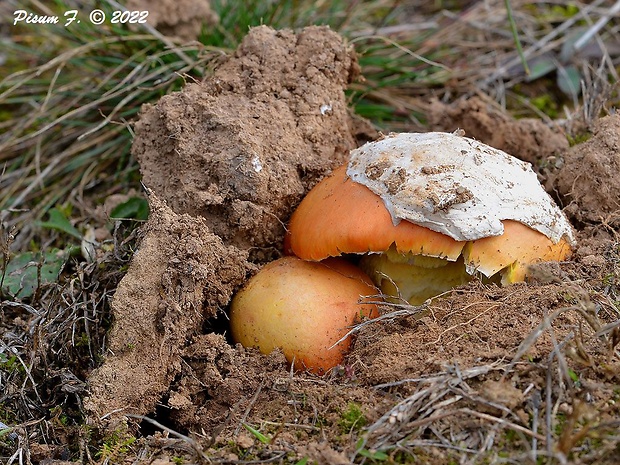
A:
[(341, 216), (518, 247)]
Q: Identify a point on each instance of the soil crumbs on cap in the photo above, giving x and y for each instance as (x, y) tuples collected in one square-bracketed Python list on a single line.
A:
[(523, 372)]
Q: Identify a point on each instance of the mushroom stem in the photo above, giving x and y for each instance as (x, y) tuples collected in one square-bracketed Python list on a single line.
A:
[(414, 278)]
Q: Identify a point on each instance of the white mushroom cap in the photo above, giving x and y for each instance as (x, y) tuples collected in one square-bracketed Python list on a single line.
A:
[(456, 186)]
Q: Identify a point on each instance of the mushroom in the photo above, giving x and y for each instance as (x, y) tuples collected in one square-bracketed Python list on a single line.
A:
[(428, 212), (304, 308)]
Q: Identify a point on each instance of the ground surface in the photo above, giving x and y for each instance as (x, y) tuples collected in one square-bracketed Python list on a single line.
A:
[(226, 161), (528, 373)]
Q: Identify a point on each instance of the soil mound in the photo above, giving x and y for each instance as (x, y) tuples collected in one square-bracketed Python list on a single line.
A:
[(182, 19), (528, 139), (227, 160), (181, 275), (588, 181), (243, 147)]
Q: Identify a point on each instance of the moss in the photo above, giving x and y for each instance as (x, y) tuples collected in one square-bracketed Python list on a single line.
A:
[(546, 104), (577, 139), (116, 446), (352, 419)]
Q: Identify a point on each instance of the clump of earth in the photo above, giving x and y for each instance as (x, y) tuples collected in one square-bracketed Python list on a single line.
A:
[(225, 162)]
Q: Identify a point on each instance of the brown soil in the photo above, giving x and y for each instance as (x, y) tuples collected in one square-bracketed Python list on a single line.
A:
[(181, 275), (227, 161), (588, 183), (528, 139), (243, 147)]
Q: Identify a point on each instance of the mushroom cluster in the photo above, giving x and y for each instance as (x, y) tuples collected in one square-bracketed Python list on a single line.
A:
[(420, 214)]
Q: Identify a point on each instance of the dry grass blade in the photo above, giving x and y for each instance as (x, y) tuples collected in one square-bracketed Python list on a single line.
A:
[(543, 44), (427, 405), (194, 445), (597, 91), (387, 313), (592, 31)]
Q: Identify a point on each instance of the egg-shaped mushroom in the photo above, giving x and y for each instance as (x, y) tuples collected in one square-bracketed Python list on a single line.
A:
[(303, 308), (428, 212)]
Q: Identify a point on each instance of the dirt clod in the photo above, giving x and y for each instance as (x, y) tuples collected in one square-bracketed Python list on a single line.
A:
[(218, 378), (243, 147), (181, 19), (528, 139), (181, 274), (227, 161), (588, 182)]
